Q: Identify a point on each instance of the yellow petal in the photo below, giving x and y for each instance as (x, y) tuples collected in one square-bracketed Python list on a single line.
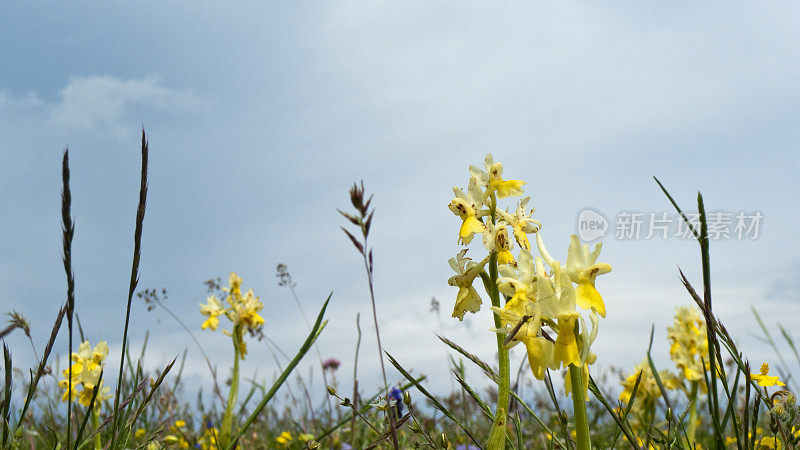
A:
[(467, 300), (211, 322), (505, 257), (470, 226), (540, 355), (506, 188), (566, 347), (588, 297)]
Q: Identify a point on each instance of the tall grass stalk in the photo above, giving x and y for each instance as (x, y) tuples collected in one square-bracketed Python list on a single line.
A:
[(364, 222), (68, 231), (137, 249)]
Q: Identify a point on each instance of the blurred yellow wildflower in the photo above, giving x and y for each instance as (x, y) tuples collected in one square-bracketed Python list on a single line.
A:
[(284, 438), (764, 380), (213, 309), (87, 365), (647, 393), (242, 311), (689, 342), (210, 438)]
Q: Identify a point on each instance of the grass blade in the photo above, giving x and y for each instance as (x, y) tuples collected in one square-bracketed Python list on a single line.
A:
[(316, 330), (6, 393), (434, 400), (89, 410)]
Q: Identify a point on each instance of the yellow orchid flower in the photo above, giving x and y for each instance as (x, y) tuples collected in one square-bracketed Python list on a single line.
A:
[(467, 207), (582, 269), (247, 309), (492, 179), (467, 298), (213, 309), (495, 239), (521, 223)]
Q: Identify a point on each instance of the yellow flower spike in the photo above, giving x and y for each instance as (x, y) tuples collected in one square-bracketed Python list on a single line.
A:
[(466, 270), (689, 343), (139, 433), (87, 364), (764, 380), (180, 424), (540, 355), (566, 350)]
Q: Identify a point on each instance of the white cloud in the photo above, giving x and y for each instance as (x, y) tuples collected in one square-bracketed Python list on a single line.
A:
[(106, 103)]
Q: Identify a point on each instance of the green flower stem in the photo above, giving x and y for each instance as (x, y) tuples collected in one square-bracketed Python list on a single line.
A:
[(98, 444), (579, 407), (690, 432), (227, 419), (497, 439)]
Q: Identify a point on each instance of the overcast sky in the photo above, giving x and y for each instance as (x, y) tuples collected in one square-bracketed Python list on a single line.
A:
[(261, 115)]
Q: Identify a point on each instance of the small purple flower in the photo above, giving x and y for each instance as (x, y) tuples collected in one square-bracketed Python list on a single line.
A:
[(466, 447), (397, 395)]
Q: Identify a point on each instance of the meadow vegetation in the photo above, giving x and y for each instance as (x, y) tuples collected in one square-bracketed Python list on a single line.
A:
[(710, 397)]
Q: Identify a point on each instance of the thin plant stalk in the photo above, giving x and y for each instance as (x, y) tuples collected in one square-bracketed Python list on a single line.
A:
[(137, 251), (227, 419), (68, 233), (364, 221), (579, 407)]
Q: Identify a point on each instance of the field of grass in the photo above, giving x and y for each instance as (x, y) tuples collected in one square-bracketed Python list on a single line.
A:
[(711, 397)]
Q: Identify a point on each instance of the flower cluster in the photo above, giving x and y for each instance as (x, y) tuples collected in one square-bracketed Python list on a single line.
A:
[(688, 343), (86, 366), (242, 310), (647, 393), (541, 292)]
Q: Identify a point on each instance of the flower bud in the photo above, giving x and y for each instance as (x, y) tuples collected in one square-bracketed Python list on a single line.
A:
[(331, 390), (444, 441)]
